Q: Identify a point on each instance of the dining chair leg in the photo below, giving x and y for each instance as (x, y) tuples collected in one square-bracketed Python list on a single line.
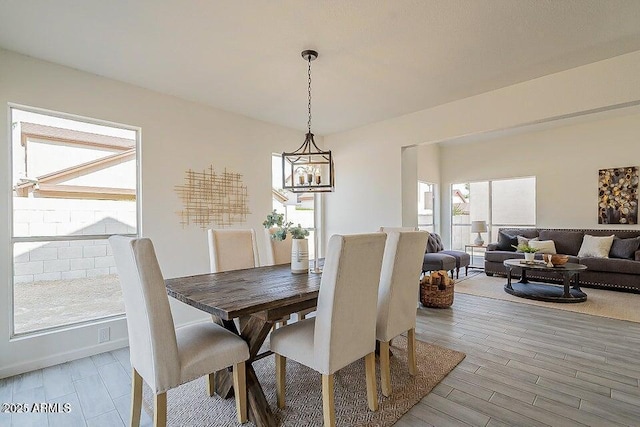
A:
[(211, 383), (136, 398), (328, 405), (372, 392), (281, 369), (160, 410), (411, 351), (240, 391), (385, 369)]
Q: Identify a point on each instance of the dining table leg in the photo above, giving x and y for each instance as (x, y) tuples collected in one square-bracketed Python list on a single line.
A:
[(255, 332), (224, 378)]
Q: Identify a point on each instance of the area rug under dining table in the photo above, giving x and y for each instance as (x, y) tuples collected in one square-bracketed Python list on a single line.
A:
[(189, 404)]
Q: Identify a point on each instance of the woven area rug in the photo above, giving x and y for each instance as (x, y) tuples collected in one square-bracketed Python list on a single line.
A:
[(189, 404), (600, 302)]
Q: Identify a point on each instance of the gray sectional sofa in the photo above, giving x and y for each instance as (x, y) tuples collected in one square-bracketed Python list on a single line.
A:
[(620, 271)]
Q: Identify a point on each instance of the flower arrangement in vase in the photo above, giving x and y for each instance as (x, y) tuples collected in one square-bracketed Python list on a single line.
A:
[(299, 243), (529, 252)]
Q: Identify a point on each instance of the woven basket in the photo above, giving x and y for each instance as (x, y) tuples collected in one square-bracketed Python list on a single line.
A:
[(436, 290)]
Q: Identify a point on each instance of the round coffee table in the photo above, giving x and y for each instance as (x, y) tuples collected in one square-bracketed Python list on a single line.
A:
[(545, 291)]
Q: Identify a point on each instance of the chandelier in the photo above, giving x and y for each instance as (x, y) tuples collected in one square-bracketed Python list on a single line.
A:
[(308, 169)]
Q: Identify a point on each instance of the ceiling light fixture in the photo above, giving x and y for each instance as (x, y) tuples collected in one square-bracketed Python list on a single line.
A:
[(308, 169)]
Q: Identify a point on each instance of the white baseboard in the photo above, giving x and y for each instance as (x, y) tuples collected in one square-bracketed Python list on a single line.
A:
[(56, 359)]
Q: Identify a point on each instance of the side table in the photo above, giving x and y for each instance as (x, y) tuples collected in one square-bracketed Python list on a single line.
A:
[(470, 249)]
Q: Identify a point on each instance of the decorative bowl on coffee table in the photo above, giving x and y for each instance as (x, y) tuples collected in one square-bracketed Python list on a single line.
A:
[(558, 260)]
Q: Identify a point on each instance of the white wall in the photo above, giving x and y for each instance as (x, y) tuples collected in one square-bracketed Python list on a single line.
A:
[(409, 187), (176, 135), (565, 162), (367, 159)]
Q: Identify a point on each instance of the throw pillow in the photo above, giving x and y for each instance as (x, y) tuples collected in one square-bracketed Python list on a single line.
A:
[(525, 241), (624, 248), (596, 246), (543, 246), (506, 241)]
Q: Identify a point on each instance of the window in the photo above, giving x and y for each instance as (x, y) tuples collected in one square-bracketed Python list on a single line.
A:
[(74, 184), (501, 203), (426, 203), (298, 208)]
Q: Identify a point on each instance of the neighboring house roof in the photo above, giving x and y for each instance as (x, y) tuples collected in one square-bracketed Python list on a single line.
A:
[(48, 185), (84, 192), (279, 196), (56, 134), (459, 195)]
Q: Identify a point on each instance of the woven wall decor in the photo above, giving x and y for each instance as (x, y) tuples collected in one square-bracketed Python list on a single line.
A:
[(618, 196), (212, 199)]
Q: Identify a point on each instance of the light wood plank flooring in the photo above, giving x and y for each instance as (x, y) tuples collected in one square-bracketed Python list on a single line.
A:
[(525, 366)]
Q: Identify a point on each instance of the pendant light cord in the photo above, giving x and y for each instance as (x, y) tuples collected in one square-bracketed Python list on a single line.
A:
[(309, 105)]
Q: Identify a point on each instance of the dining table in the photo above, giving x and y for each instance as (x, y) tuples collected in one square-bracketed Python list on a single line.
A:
[(258, 297)]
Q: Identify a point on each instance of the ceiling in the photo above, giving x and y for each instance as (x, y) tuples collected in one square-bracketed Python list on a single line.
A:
[(378, 59)]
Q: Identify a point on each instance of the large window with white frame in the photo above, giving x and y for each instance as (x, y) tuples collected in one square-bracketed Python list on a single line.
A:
[(501, 203), (74, 184)]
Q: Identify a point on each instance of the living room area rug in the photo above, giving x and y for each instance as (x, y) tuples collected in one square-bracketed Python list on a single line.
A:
[(600, 302), (189, 404)]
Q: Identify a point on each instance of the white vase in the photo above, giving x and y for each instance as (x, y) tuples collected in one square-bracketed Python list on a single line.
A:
[(299, 256), (529, 256)]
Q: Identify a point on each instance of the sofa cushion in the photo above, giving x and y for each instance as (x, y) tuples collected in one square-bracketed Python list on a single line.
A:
[(543, 246), (463, 259), (596, 246), (567, 242), (501, 256), (438, 261), (624, 248), (529, 233), (524, 241), (612, 265), (506, 241)]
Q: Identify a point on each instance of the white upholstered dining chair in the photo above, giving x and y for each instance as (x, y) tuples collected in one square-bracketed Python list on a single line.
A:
[(343, 330), (278, 251), (162, 356), (399, 283), (232, 250)]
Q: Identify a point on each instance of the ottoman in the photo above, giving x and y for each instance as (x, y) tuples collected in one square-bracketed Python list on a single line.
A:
[(463, 259), (438, 261)]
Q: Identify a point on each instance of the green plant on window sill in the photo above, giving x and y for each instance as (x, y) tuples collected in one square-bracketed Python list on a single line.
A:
[(525, 248), (275, 219)]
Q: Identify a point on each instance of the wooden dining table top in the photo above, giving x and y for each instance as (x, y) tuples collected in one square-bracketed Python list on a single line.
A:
[(251, 291)]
